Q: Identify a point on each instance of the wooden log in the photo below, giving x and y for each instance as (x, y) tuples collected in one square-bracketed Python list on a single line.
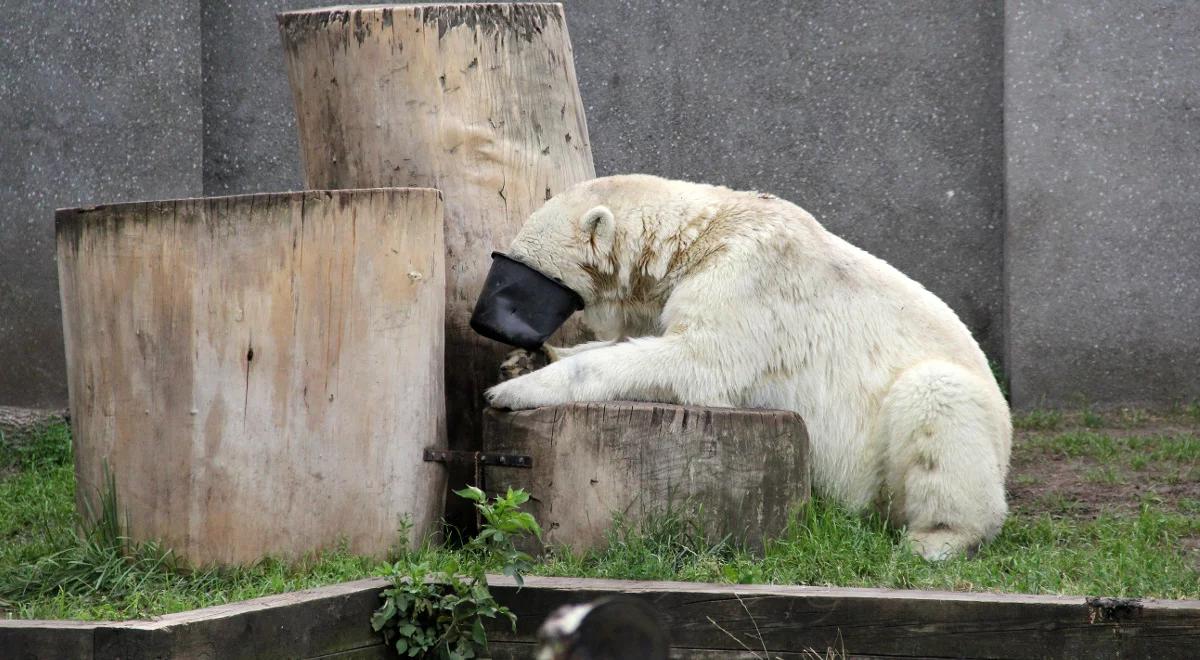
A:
[(46, 640), (703, 620), (478, 100), (261, 373), (327, 622), (742, 470), (795, 621)]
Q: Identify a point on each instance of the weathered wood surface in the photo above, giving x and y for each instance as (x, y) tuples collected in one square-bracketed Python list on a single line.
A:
[(788, 621), (744, 468), (477, 100), (328, 622), (18, 426), (261, 373), (46, 640)]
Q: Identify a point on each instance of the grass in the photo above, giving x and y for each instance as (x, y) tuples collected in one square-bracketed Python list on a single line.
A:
[(54, 565), (1039, 420), (1111, 555), (1141, 449)]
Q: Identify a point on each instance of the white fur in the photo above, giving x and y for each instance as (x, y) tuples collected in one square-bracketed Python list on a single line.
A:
[(709, 296)]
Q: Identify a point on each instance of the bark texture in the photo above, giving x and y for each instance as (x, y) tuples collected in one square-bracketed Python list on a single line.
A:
[(477, 100), (738, 471)]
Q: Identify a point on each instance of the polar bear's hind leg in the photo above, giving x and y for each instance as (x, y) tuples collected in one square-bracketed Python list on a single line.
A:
[(946, 448)]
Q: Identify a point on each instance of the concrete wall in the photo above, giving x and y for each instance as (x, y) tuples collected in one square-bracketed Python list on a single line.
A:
[(99, 102), (885, 119), (250, 140), (1103, 247)]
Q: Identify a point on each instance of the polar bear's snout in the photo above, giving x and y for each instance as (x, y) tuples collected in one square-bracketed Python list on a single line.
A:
[(521, 306)]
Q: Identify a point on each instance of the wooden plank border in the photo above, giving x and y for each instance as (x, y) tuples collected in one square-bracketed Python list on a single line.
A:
[(704, 621), (327, 622), (789, 620)]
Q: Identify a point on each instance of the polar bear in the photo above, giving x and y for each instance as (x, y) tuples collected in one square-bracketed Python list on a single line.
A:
[(704, 295)]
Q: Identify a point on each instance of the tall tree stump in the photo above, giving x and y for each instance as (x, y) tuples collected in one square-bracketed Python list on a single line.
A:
[(260, 373), (477, 100), (739, 470)]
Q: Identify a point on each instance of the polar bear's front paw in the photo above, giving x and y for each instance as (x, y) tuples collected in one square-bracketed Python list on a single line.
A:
[(529, 391), (521, 362)]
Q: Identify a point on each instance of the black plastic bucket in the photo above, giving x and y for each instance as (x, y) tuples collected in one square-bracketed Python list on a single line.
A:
[(520, 306)]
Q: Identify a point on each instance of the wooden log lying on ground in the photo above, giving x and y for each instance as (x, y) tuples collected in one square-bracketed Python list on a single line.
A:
[(703, 620), (477, 100), (739, 471), (261, 373), (796, 622)]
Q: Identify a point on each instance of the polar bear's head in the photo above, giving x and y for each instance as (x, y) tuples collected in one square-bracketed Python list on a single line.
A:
[(598, 247), (588, 236)]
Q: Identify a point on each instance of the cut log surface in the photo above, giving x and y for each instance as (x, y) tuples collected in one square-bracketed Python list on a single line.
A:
[(740, 471), (477, 100), (260, 373)]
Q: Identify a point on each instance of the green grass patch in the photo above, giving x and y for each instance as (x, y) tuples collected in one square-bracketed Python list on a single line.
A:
[(1039, 420), (1129, 556), (1193, 411), (1182, 448), (1103, 476), (54, 566)]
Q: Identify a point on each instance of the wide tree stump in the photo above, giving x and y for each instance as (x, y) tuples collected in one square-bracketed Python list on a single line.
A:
[(477, 100), (740, 471), (260, 373)]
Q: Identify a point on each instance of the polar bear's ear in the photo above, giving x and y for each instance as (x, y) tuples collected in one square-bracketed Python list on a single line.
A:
[(597, 223)]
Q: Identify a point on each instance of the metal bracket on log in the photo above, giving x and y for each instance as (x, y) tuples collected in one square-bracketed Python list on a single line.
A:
[(478, 458)]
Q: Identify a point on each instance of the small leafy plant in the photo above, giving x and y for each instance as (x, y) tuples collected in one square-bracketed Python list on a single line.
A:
[(436, 608)]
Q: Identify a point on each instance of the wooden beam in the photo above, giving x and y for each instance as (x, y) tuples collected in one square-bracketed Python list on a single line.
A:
[(706, 621), (46, 640), (878, 622), (331, 621), (304, 624)]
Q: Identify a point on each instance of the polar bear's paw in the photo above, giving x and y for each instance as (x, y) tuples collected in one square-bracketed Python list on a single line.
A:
[(942, 544), (521, 362), (534, 390)]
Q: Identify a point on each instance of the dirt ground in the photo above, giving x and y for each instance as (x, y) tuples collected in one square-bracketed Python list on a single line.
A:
[(1045, 478), (1084, 464)]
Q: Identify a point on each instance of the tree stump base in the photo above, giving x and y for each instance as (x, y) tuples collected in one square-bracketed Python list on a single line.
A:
[(739, 471), (261, 373)]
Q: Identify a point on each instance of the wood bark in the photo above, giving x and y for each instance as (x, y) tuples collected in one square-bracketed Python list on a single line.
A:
[(260, 373), (738, 472), (477, 100)]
